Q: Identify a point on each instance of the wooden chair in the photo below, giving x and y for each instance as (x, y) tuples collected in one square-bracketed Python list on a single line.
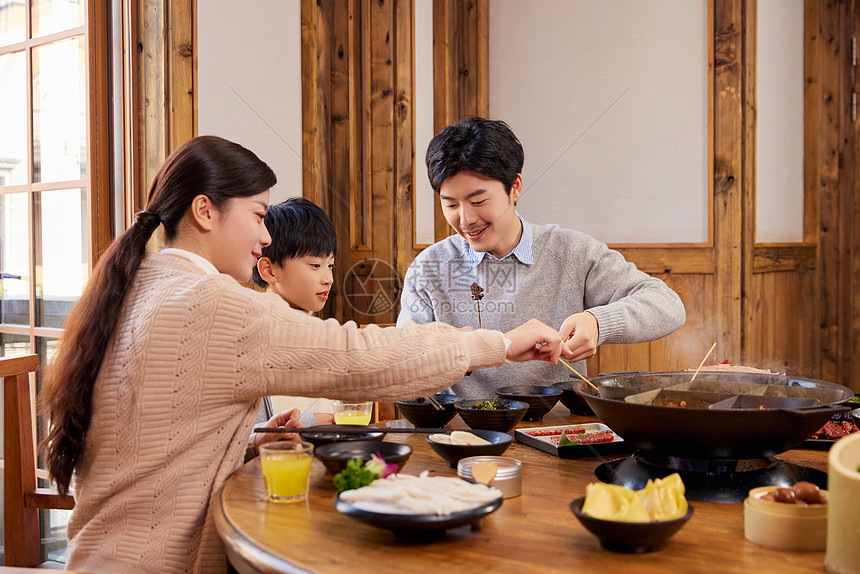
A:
[(21, 498)]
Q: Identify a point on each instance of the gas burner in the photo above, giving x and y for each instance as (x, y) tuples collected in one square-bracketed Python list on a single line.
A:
[(709, 480)]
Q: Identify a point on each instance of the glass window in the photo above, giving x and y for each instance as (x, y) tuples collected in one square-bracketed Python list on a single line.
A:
[(14, 259), (12, 15), (13, 117), (45, 193), (62, 265), (51, 16), (59, 111)]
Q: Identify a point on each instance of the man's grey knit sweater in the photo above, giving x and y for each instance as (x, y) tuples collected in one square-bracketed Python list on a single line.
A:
[(571, 273)]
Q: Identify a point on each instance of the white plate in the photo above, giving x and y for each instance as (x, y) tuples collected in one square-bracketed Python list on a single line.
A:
[(617, 446)]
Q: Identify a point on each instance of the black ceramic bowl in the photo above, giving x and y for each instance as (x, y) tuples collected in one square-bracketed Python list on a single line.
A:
[(422, 414), (633, 537), (452, 453), (855, 416), (540, 399), (319, 439), (503, 419), (575, 404), (335, 455)]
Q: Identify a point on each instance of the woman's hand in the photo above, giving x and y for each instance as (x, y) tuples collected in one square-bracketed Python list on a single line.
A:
[(288, 418), (534, 341), (579, 333)]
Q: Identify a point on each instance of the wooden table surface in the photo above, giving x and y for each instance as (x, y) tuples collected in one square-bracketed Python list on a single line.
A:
[(535, 532)]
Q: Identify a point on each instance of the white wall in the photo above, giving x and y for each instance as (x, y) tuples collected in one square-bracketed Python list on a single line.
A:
[(779, 121), (425, 197), (249, 73), (623, 168)]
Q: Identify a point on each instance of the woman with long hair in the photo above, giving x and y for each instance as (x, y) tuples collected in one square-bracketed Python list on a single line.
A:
[(158, 377)]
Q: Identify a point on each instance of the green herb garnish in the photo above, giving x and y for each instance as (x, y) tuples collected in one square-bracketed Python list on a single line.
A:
[(492, 405), (564, 441), (359, 473), (855, 399), (353, 476)]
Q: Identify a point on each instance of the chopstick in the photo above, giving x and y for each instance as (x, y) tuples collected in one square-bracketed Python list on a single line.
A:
[(560, 360), (432, 400), (346, 429), (703, 361)]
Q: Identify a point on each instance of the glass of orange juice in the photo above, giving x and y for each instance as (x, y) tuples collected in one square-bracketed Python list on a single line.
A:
[(352, 412), (286, 466)]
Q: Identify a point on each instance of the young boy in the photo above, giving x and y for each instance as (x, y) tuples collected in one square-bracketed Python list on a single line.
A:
[(297, 265)]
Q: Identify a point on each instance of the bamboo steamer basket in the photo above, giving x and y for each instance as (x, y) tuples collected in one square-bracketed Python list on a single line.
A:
[(784, 526), (843, 480)]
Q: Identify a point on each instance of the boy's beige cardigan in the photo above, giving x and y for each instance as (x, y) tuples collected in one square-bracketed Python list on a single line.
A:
[(179, 390)]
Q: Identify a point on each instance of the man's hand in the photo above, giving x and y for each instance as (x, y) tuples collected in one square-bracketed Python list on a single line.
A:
[(534, 341), (579, 333)]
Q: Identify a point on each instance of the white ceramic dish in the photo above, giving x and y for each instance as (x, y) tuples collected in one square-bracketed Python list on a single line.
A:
[(530, 437)]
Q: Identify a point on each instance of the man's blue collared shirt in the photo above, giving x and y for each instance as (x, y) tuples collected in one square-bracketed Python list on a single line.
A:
[(523, 250)]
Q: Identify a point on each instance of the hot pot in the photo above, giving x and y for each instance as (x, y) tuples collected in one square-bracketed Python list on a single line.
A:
[(711, 425)]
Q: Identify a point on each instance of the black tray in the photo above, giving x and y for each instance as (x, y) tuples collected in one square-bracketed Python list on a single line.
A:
[(617, 446)]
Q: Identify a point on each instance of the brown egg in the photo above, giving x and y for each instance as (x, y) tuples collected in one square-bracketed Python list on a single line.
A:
[(822, 499), (807, 492), (784, 495)]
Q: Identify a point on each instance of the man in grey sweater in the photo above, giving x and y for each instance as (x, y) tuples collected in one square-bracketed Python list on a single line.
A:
[(500, 270)]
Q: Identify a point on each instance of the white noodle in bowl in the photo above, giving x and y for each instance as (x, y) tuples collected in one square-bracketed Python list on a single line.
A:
[(419, 506)]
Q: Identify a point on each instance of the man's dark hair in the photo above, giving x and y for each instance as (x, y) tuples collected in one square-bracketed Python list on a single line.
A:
[(487, 147), (298, 228)]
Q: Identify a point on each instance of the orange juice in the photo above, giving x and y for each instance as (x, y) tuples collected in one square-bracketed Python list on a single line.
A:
[(352, 412), (352, 418), (285, 473)]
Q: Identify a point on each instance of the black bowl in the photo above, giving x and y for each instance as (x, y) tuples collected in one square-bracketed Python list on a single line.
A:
[(422, 414), (575, 404), (452, 453), (855, 416), (503, 419), (319, 439), (633, 537), (540, 399), (335, 455)]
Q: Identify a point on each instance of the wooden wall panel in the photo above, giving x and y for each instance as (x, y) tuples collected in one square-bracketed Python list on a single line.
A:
[(828, 187), (685, 348), (166, 71), (621, 358), (728, 174), (779, 342), (404, 135), (152, 75), (182, 63), (358, 144), (461, 70)]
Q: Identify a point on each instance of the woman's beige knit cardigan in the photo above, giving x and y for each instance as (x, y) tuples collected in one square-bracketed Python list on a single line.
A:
[(179, 390)]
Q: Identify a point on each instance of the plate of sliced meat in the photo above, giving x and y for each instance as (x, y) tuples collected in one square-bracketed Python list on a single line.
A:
[(574, 441), (832, 431)]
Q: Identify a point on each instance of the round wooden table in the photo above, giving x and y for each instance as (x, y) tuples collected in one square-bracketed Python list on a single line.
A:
[(533, 532)]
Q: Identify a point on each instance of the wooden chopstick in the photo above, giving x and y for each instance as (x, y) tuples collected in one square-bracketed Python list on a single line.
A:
[(703, 361), (560, 360), (432, 400), (346, 429)]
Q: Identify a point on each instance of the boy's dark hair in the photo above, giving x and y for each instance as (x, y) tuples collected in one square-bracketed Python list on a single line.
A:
[(298, 228), (488, 147)]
